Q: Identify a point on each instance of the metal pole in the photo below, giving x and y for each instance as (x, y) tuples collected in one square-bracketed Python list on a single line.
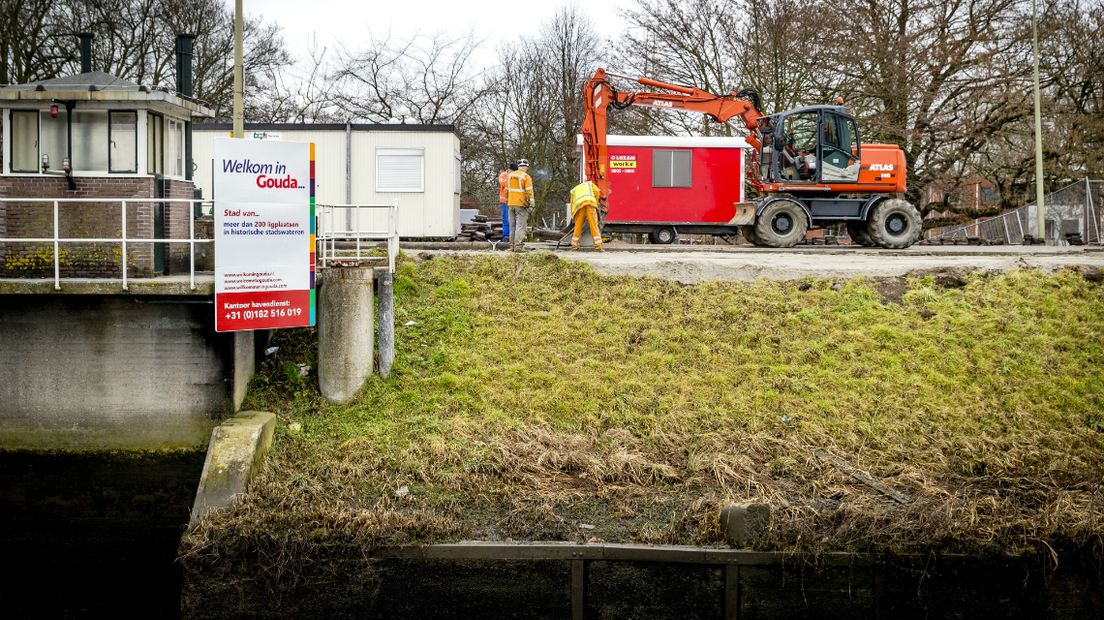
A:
[(348, 173), (386, 324), (57, 261), (191, 244), (239, 80), (1040, 215), (124, 267)]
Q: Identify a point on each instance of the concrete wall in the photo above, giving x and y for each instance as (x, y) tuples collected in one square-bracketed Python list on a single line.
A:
[(434, 212), (90, 371)]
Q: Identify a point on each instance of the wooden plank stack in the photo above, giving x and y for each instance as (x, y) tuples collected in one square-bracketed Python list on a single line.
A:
[(481, 229)]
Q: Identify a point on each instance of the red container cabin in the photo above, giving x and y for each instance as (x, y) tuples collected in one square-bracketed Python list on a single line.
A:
[(666, 185)]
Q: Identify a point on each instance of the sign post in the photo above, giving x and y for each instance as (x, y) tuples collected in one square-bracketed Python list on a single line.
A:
[(264, 234)]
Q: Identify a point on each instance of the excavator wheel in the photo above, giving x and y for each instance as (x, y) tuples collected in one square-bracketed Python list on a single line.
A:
[(781, 224), (858, 233), (894, 224)]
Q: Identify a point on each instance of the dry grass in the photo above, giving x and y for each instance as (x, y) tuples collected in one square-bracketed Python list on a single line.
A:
[(532, 398)]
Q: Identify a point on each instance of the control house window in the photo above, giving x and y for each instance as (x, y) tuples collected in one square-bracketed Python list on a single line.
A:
[(123, 145), (24, 141)]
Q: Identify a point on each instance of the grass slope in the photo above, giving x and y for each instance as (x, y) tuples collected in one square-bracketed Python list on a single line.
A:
[(532, 398)]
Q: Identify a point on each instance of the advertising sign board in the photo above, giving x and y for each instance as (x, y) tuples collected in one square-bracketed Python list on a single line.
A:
[(264, 234)]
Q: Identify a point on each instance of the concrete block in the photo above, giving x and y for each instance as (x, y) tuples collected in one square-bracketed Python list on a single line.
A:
[(237, 450), (345, 332), (743, 524)]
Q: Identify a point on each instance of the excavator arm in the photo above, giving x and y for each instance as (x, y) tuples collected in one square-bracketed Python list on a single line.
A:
[(599, 96)]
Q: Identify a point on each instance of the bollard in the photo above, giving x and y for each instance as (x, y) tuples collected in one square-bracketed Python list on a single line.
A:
[(344, 332), (386, 323)]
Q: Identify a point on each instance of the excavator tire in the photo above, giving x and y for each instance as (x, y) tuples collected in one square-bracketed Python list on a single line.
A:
[(858, 233), (781, 224), (894, 224)]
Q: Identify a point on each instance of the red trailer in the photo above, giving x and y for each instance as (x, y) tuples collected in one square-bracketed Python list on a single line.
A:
[(666, 185)]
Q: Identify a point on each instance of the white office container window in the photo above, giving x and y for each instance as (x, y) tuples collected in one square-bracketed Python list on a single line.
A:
[(459, 174), (400, 170)]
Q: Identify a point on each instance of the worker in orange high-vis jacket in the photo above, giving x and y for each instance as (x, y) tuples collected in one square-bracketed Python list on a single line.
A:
[(502, 176), (584, 208), (519, 201)]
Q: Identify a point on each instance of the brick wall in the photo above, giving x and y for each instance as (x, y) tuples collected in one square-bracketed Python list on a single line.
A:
[(76, 220), (176, 225)]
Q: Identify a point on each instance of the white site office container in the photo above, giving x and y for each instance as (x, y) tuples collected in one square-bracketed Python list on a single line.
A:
[(417, 167)]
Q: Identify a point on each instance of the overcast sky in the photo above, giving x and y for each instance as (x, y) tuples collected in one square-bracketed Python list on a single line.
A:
[(350, 22)]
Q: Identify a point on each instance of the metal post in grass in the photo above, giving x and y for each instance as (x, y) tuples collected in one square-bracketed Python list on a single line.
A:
[(386, 323)]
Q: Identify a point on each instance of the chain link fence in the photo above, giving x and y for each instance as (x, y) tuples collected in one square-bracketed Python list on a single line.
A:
[(1073, 217)]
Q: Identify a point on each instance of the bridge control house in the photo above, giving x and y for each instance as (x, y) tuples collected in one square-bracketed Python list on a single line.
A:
[(89, 136)]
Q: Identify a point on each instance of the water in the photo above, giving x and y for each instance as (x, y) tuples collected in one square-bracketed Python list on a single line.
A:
[(93, 534)]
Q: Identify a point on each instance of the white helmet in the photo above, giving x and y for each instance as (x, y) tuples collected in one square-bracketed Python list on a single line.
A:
[(522, 162)]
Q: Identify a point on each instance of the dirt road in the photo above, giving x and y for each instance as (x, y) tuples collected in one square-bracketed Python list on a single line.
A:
[(701, 263), (750, 264)]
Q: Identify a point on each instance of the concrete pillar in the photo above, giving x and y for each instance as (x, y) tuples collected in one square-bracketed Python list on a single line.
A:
[(245, 364), (344, 332), (386, 323)]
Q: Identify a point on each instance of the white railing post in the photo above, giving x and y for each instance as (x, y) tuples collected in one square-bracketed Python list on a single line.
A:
[(191, 241), (124, 240), (57, 260)]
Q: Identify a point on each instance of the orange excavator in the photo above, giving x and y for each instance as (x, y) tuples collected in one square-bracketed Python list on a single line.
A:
[(811, 168)]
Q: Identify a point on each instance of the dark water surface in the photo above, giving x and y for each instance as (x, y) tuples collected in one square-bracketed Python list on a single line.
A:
[(93, 534)]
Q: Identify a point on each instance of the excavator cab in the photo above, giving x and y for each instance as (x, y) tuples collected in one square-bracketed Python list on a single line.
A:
[(810, 145)]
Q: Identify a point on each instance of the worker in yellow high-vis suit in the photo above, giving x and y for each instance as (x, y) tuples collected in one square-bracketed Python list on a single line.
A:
[(584, 208), (519, 200)]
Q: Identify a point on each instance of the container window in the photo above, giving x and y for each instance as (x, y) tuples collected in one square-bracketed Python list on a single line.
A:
[(24, 153), (124, 142), (90, 141), (671, 168), (400, 170), (459, 173)]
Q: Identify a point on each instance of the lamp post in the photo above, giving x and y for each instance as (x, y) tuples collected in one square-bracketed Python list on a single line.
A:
[(239, 89), (1040, 208)]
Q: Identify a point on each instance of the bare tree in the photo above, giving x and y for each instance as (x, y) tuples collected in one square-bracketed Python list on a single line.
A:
[(426, 79), (135, 40)]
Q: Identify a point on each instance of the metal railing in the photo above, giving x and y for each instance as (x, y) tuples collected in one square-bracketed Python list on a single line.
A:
[(1078, 203), (341, 233), (57, 240)]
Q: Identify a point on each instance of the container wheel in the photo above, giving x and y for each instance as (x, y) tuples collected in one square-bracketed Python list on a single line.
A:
[(859, 235), (894, 224), (665, 235), (781, 224)]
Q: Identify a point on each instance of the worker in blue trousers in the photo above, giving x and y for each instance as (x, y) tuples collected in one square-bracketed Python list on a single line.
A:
[(502, 177)]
